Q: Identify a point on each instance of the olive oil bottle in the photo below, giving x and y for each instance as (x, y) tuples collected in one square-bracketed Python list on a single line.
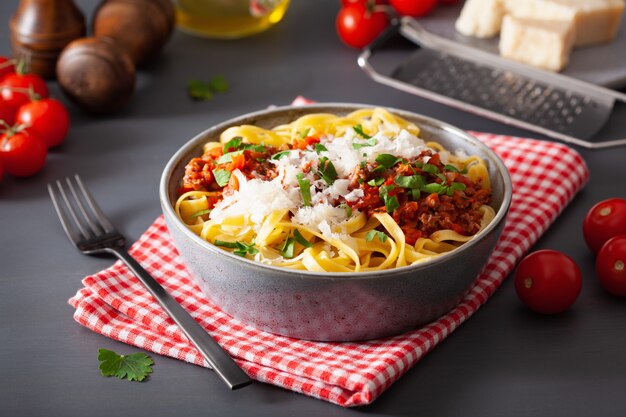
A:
[(228, 18)]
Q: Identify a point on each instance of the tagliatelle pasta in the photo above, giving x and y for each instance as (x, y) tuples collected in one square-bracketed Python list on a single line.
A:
[(332, 193)]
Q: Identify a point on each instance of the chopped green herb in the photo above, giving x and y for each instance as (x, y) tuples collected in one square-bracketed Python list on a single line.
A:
[(320, 148), (227, 157), (442, 178), (411, 181), (369, 236), (434, 188), (261, 160), (225, 244), (288, 248), (241, 248), (200, 213), (221, 177), (218, 84), (199, 90), (305, 133), (279, 155), (429, 168), (451, 168), (359, 131), (368, 142), (301, 240), (305, 189), (418, 164), (387, 160), (245, 248), (458, 186), (391, 202), (135, 367), (347, 208), (360, 180), (415, 194), (327, 171), (376, 182), (363, 164), (233, 144), (255, 148)]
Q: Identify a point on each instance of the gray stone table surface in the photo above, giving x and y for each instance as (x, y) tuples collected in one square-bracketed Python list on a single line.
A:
[(504, 361)]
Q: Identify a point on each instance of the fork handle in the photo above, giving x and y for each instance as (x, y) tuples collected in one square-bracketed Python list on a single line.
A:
[(219, 360)]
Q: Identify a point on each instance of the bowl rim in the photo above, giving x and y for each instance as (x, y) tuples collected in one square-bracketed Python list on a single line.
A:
[(168, 208)]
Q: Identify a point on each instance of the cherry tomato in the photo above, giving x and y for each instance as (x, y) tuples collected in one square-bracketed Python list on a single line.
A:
[(413, 8), (14, 87), (548, 281), (364, 2), (448, 2), (6, 67), (1, 170), (603, 221), (611, 265), (23, 153), (358, 25), (7, 114), (48, 118)]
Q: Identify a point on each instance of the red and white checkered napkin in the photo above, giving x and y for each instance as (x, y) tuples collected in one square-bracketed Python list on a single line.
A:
[(545, 178)]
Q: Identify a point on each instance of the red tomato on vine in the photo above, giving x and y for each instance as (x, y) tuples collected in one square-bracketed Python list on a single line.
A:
[(47, 117), (358, 24)]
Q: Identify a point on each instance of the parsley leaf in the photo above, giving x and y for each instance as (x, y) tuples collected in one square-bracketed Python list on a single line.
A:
[(327, 171), (287, 250), (411, 181), (391, 202), (451, 168), (218, 84), (375, 233), (347, 208), (135, 367), (369, 142), (200, 213), (241, 248), (199, 90), (222, 177), (387, 160), (305, 133), (305, 189), (376, 182), (301, 240), (279, 155), (320, 148), (434, 188), (430, 168), (234, 144), (227, 157), (359, 131), (203, 91)]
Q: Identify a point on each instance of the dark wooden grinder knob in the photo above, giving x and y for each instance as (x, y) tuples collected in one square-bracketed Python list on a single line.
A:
[(96, 74), (40, 29), (141, 27)]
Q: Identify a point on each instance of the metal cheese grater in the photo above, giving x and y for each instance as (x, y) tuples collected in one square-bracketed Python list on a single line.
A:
[(444, 71)]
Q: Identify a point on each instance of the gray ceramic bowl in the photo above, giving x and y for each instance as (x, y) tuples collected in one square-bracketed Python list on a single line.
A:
[(334, 306)]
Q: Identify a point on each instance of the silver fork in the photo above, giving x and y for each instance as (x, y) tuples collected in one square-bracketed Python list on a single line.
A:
[(92, 233)]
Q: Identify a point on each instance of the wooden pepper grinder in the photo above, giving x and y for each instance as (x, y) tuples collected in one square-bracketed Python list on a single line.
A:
[(40, 29)]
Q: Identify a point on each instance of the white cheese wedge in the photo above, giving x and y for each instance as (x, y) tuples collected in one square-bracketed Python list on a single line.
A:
[(595, 21), (480, 18), (541, 43)]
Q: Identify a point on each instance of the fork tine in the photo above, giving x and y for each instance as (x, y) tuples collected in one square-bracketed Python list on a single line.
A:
[(95, 227), (71, 233), (95, 208), (86, 233)]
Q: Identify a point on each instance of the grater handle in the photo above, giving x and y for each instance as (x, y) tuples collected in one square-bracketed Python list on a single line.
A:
[(364, 63)]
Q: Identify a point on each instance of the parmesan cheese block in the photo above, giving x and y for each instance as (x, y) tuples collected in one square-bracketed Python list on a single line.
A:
[(541, 43), (480, 18), (595, 21)]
